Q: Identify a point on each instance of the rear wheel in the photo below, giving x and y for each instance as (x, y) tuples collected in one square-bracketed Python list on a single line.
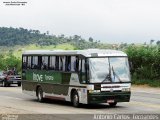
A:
[(75, 99), (19, 84), (113, 104), (40, 94)]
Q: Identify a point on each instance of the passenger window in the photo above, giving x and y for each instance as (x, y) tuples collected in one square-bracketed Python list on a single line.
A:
[(63, 63), (83, 65), (83, 72), (52, 63), (74, 63), (68, 63), (44, 64), (80, 64), (29, 62), (57, 63), (35, 62), (24, 65), (60, 63)]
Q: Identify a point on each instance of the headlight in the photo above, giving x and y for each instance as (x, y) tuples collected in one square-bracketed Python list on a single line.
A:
[(94, 91), (126, 89), (90, 87)]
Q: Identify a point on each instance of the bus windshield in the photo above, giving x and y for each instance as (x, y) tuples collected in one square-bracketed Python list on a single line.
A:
[(109, 69)]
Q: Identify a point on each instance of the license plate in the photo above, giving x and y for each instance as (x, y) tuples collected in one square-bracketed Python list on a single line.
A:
[(14, 81), (110, 101)]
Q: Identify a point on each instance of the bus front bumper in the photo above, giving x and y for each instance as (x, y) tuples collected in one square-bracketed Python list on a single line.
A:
[(106, 97)]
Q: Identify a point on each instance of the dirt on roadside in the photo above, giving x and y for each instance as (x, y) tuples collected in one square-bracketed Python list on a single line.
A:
[(145, 88)]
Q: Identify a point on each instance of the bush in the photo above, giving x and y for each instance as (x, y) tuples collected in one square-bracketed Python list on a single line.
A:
[(9, 61), (144, 61), (152, 83)]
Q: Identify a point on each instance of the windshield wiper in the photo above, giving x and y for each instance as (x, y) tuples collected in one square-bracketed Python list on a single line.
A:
[(107, 78), (115, 75)]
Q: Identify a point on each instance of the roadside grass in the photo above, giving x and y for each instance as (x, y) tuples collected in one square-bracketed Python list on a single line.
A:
[(152, 83)]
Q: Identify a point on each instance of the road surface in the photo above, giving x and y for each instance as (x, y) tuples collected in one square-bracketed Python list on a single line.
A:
[(13, 101)]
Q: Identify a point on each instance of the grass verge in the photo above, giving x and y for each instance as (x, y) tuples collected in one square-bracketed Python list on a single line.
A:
[(152, 83)]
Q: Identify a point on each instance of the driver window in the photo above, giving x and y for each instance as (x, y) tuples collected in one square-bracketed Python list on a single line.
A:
[(83, 77)]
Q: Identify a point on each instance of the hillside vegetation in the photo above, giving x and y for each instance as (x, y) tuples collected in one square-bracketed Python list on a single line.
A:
[(20, 36)]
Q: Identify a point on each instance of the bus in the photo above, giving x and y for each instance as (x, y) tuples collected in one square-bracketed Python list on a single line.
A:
[(80, 76)]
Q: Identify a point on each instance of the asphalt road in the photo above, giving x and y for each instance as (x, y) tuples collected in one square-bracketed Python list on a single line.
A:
[(13, 101)]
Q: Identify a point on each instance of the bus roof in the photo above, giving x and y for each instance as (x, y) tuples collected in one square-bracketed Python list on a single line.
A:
[(86, 53)]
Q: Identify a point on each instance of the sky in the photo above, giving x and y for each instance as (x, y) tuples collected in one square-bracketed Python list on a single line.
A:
[(110, 21)]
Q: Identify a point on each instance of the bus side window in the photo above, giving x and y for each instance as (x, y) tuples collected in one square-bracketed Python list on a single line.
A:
[(83, 71), (79, 68), (29, 62), (83, 66), (61, 59), (34, 62), (73, 59), (24, 64), (39, 62), (57, 63), (63, 63), (44, 64), (68, 63), (52, 63), (74, 63)]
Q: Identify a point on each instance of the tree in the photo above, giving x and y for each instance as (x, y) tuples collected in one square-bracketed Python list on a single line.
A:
[(151, 41), (90, 39), (47, 32), (158, 42)]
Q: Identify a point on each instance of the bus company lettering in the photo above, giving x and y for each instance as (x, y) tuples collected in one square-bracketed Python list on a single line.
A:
[(48, 77), (38, 77)]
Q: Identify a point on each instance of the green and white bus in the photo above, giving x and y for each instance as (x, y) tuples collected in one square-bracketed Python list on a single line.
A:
[(79, 76)]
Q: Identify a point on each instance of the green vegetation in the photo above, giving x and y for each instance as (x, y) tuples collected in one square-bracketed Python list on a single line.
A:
[(145, 64), (20, 36), (8, 61), (150, 82), (144, 59)]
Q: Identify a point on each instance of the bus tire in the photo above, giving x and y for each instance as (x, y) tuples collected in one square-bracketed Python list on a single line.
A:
[(19, 84), (113, 104), (40, 94), (75, 99), (4, 84)]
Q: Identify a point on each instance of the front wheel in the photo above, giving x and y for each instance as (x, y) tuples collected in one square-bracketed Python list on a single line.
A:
[(75, 99), (4, 84), (113, 104), (40, 95)]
